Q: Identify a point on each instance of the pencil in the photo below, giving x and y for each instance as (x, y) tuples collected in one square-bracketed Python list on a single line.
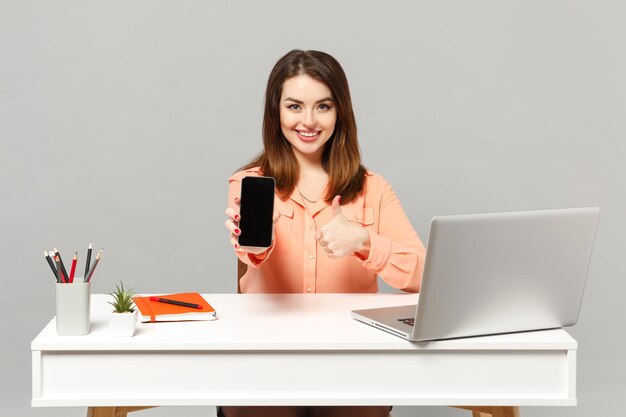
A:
[(88, 260), (93, 267), (73, 269), (59, 273), (49, 259), (65, 276)]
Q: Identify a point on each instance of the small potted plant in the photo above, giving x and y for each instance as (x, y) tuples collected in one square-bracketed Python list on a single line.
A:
[(122, 319)]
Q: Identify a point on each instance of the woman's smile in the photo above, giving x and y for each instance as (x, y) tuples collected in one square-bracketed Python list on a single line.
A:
[(308, 135)]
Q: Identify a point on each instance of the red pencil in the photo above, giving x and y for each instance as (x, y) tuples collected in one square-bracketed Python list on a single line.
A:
[(73, 270)]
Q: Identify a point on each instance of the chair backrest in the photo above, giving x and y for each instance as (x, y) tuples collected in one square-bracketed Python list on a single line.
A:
[(241, 269)]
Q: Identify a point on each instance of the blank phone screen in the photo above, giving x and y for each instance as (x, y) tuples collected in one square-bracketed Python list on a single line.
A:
[(256, 209)]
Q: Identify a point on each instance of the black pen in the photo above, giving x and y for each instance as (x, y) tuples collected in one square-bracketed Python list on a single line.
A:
[(88, 261), (54, 270), (178, 303)]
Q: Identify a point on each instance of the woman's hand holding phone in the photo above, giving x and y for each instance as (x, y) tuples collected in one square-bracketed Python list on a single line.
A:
[(232, 224)]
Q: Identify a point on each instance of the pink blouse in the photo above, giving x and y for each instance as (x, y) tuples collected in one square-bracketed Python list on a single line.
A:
[(295, 263)]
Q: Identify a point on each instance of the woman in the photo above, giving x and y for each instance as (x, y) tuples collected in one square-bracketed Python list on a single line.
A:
[(337, 226)]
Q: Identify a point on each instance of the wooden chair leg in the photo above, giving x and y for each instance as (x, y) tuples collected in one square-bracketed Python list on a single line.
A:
[(101, 411), (505, 411), (476, 411), (113, 411), (492, 411)]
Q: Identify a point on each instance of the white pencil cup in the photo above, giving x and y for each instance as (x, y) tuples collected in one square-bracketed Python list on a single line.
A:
[(73, 308)]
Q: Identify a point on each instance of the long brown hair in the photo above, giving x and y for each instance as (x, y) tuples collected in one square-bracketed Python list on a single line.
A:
[(341, 157)]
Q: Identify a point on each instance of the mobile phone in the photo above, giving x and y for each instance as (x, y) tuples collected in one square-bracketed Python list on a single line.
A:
[(256, 210)]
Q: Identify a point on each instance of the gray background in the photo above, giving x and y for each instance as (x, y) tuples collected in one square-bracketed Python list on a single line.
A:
[(120, 122)]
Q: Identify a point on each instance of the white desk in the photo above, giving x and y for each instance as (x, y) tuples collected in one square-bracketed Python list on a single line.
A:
[(296, 350)]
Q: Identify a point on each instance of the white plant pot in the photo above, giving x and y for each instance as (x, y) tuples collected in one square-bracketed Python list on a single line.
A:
[(123, 324)]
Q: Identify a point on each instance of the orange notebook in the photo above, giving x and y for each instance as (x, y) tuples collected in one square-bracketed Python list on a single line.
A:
[(151, 311)]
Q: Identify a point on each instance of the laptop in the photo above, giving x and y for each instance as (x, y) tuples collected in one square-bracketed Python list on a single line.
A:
[(497, 273)]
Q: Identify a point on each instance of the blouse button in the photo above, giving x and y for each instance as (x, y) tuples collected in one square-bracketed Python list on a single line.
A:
[(308, 290), (311, 256)]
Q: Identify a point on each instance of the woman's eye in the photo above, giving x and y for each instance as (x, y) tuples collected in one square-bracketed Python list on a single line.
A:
[(294, 107), (324, 107)]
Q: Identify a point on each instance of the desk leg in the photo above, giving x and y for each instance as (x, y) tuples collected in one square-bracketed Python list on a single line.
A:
[(493, 411), (112, 411)]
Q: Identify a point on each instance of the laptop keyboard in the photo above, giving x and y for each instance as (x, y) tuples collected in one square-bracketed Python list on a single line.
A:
[(410, 321)]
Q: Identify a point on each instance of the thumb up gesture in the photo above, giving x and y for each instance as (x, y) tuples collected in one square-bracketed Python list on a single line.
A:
[(340, 237)]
